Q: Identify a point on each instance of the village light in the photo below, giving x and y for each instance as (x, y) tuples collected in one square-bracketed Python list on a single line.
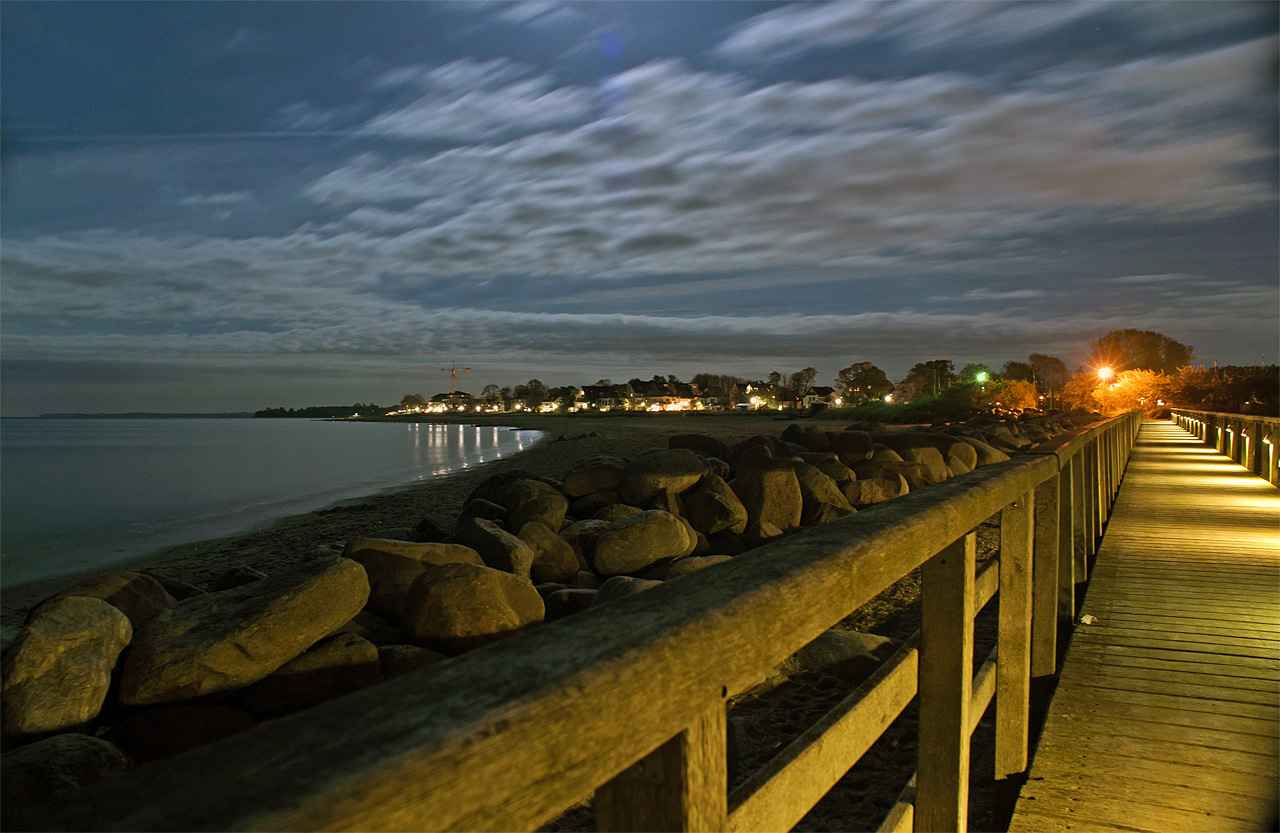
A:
[(981, 377), (888, 397)]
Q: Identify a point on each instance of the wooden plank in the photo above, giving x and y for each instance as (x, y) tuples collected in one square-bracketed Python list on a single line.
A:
[(985, 584), (681, 785), (1243, 734), (1100, 607), (1030, 821), (984, 688), (1155, 749), (1178, 773), (1067, 522), (1184, 624), (1116, 673), (1175, 645), (1214, 664), (1086, 705), (1013, 672), (1114, 802), (946, 668), (1106, 629), (1174, 701), (778, 795), (901, 817)]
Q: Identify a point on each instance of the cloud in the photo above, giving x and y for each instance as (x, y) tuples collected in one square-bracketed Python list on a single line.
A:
[(227, 198), (466, 100)]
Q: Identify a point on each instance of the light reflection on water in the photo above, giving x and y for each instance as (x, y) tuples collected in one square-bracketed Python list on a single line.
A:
[(79, 494)]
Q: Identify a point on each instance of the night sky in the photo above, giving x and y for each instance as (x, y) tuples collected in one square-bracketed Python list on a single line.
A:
[(232, 206)]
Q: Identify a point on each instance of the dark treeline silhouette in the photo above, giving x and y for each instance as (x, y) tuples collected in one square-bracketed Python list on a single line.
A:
[(322, 411)]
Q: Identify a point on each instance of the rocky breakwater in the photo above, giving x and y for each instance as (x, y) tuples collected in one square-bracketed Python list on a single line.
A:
[(132, 667)]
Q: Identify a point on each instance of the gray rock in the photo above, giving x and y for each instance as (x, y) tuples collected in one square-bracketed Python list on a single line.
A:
[(872, 490), (498, 548), (713, 507), (547, 509), (633, 543), (661, 470), (836, 470), (226, 641), (583, 535), (567, 602), (461, 606), (136, 595), (852, 446), (391, 568), (481, 508), (685, 566), (588, 505), (32, 778), (609, 514), (822, 499), (619, 586), (553, 558), (771, 494), (597, 474), (334, 666), (58, 670), (370, 626)]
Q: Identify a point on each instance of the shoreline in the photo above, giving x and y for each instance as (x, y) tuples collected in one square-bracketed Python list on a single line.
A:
[(292, 539)]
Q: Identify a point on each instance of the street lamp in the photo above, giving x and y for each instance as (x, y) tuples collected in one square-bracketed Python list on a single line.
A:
[(1105, 373)]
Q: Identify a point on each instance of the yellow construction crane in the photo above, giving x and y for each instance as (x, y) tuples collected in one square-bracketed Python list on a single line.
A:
[(453, 374)]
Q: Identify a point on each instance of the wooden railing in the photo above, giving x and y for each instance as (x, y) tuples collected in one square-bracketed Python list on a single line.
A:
[(1249, 440), (628, 700)]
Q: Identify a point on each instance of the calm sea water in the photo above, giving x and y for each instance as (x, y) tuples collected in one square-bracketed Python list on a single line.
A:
[(81, 494)]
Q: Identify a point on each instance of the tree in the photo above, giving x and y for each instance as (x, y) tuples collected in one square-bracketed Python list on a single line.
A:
[(1145, 389), (1018, 371), (926, 379), (600, 383), (1015, 393), (491, 394), (971, 371), (534, 393), (802, 380), (1139, 350), (413, 400), (862, 382), (1050, 375)]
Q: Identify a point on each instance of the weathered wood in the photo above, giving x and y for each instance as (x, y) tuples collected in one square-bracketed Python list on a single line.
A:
[(1082, 529), (984, 688), (946, 668), (681, 785), (1068, 519), (1167, 713), (779, 794), (985, 584), (1044, 579), (1013, 674), (901, 816)]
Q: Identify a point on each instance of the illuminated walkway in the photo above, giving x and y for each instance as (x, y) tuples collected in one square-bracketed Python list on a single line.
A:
[(1167, 713)]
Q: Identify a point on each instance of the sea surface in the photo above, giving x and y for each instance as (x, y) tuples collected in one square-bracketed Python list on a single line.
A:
[(82, 494)]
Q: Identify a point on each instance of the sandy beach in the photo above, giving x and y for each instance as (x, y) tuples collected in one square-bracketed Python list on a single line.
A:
[(291, 540)]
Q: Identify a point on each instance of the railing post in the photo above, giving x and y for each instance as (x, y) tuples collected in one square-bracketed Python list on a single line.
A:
[(1089, 456), (1044, 620), (681, 785), (1080, 517), (945, 686), (1068, 520), (1013, 660)]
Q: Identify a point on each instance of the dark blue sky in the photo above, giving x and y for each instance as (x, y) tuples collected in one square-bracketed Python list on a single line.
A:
[(233, 205)]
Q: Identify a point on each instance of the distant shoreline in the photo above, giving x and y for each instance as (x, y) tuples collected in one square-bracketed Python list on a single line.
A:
[(145, 415)]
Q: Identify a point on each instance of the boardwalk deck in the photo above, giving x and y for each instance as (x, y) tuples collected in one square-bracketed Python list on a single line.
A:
[(1167, 712)]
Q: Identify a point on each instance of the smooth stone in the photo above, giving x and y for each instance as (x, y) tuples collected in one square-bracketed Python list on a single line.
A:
[(462, 606)]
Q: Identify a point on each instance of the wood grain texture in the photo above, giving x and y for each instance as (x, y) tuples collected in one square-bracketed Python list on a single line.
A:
[(1013, 673), (1167, 712)]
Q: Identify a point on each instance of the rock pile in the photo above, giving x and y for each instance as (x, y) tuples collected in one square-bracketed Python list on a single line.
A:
[(135, 667)]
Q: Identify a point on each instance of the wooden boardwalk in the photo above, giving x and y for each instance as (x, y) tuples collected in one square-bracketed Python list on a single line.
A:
[(1167, 712)]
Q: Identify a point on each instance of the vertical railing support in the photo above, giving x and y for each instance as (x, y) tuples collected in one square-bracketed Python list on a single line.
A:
[(1044, 577), (1068, 522), (945, 686), (681, 785), (1013, 660)]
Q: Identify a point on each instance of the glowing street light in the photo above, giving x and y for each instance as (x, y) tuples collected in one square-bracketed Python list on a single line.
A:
[(981, 377), (1105, 373)]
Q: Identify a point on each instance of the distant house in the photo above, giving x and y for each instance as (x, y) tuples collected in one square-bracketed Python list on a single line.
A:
[(456, 401), (602, 397), (820, 395)]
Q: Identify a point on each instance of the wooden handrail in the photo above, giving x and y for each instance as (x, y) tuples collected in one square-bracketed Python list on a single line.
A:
[(1250, 440), (628, 699)]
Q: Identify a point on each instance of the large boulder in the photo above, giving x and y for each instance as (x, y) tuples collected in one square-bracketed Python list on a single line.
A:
[(985, 454), (917, 475), (713, 507), (633, 543), (336, 665), (822, 499), (567, 602), (136, 595), (58, 670), (498, 548), (582, 536), (873, 490), (553, 558), (661, 470), (391, 568), (596, 474), (548, 509), (852, 446), (456, 607), (32, 778), (225, 641), (771, 494)]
